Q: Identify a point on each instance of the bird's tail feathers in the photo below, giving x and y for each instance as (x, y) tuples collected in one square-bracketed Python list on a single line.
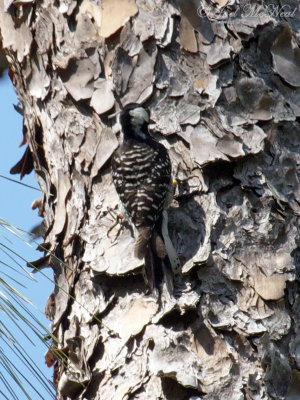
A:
[(161, 260), (168, 275), (158, 245), (142, 242), (161, 254), (149, 270), (158, 270)]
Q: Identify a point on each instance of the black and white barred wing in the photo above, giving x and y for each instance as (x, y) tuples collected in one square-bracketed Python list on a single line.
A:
[(142, 177)]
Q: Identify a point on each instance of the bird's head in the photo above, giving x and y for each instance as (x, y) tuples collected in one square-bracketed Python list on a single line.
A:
[(134, 120)]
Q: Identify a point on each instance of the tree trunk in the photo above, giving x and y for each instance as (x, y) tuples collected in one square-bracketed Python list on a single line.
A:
[(222, 85)]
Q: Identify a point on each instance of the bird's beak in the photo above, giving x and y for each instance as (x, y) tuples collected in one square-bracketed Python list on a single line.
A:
[(111, 116)]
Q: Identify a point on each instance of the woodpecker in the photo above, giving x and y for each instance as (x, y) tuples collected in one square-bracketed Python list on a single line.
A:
[(142, 177)]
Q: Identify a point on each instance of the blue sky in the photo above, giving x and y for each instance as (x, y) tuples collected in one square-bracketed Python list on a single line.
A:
[(15, 208)]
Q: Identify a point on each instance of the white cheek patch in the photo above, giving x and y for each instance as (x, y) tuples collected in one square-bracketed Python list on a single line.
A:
[(139, 116)]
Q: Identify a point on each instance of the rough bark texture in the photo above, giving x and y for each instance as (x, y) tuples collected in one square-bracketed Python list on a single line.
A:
[(223, 87)]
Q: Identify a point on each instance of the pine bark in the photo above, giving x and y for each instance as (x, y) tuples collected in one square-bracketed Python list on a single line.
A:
[(222, 84)]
